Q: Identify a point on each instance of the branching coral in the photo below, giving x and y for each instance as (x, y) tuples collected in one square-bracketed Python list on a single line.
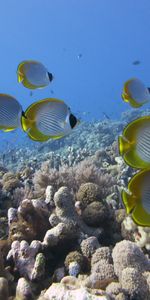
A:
[(74, 176), (28, 261), (68, 224), (30, 222), (23, 290), (10, 181)]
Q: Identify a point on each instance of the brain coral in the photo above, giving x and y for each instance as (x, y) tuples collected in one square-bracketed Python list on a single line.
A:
[(95, 214), (134, 284), (88, 193), (128, 254)]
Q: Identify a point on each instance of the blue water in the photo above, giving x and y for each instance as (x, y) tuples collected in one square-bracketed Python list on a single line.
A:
[(108, 34)]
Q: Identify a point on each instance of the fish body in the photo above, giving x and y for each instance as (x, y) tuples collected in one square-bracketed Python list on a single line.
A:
[(135, 93), (137, 199), (48, 118), (10, 113), (33, 75), (134, 144)]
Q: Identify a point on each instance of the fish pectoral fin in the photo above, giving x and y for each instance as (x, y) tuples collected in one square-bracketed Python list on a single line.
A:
[(26, 123), (125, 97), (124, 145), (20, 76), (129, 201)]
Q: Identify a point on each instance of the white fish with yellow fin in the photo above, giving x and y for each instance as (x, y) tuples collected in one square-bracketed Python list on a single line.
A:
[(137, 198), (134, 143), (135, 92), (48, 118), (33, 74), (10, 113)]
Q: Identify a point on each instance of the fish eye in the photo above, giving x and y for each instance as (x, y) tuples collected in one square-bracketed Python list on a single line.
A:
[(72, 120)]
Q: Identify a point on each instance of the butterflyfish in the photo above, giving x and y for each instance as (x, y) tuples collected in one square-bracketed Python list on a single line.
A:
[(10, 113), (135, 92), (48, 118), (33, 74), (134, 144), (137, 199)]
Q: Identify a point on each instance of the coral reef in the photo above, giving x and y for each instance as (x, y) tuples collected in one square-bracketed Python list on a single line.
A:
[(64, 232)]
